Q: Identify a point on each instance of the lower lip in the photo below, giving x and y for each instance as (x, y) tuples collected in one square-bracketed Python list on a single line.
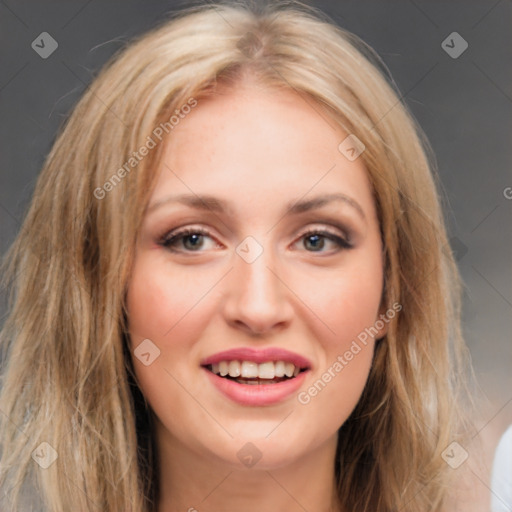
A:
[(257, 394)]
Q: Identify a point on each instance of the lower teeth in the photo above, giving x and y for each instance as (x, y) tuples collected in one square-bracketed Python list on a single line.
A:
[(256, 382)]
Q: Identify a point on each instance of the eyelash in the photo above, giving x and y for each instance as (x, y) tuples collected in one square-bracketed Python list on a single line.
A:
[(170, 240)]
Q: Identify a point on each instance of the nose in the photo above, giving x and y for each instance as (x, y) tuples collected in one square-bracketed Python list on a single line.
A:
[(258, 300)]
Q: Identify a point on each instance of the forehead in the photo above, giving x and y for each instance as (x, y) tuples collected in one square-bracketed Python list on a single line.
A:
[(251, 120), (250, 144)]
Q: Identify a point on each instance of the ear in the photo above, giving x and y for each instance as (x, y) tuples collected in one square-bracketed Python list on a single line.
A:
[(382, 324), (386, 314), (382, 320)]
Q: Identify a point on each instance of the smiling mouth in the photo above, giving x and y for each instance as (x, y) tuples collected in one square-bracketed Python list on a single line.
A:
[(251, 373)]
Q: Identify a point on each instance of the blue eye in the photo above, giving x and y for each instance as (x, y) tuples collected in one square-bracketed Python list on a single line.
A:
[(317, 239), (196, 240), (190, 240)]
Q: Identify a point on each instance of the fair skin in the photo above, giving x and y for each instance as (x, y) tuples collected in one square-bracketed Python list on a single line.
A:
[(258, 150)]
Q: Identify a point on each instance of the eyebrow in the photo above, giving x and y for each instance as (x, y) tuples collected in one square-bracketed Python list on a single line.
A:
[(214, 204)]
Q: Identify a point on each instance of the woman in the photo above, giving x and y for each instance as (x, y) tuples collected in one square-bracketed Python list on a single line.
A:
[(233, 289)]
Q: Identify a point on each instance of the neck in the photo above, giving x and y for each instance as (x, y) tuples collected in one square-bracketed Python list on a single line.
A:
[(197, 483)]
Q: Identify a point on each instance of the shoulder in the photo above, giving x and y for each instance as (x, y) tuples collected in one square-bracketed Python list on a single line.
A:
[(503, 454), (502, 474)]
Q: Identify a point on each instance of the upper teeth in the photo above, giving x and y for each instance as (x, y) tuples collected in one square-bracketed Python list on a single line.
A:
[(250, 369)]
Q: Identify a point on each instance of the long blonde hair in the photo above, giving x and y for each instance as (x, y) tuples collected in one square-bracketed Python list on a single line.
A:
[(67, 378)]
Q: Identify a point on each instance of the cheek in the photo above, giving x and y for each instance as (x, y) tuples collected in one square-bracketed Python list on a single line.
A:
[(346, 356), (159, 301), (170, 307), (348, 306), (348, 301), (164, 307)]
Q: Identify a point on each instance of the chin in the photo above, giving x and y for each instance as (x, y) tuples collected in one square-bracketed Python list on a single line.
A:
[(262, 452)]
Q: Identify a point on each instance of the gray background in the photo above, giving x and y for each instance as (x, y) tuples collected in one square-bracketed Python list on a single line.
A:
[(464, 105)]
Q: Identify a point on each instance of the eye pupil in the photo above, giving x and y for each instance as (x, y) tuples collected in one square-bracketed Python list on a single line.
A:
[(197, 240), (317, 242)]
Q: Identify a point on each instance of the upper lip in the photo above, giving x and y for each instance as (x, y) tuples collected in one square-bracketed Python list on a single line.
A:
[(261, 355)]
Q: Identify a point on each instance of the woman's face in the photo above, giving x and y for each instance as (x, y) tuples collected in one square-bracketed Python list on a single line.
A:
[(259, 253)]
